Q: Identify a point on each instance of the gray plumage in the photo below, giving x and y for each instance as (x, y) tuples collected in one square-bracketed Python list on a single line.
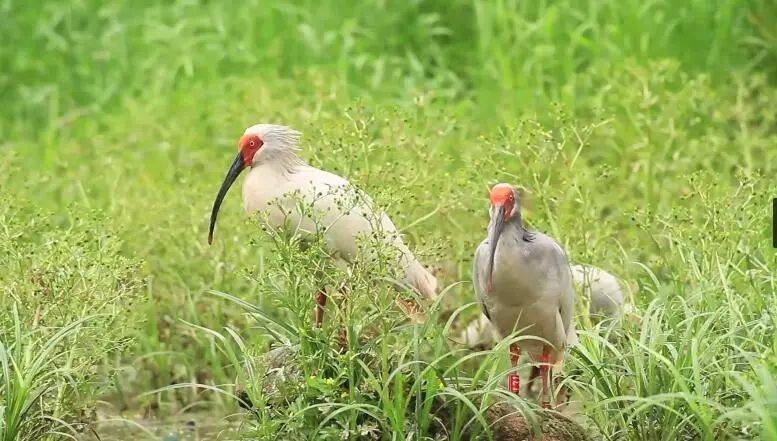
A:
[(606, 300), (531, 282)]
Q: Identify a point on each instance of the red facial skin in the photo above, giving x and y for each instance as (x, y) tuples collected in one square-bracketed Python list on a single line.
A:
[(248, 146), (502, 195)]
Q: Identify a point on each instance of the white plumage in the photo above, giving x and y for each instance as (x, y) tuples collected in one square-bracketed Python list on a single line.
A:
[(604, 294), (286, 179), (279, 180)]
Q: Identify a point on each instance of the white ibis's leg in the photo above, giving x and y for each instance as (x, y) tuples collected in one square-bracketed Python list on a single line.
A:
[(342, 334), (513, 380), (318, 315), (342, 338), (545, 374), (318, 310)]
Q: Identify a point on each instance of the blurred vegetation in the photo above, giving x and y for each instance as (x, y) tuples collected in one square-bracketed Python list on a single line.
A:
[(643, 134)]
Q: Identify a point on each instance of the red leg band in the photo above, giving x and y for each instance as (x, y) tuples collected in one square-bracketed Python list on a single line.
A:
[(514, 383)]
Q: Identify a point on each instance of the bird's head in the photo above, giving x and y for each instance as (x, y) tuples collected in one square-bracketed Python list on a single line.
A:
[(504, 201), (505, 206), (262, 142), (259, 142)]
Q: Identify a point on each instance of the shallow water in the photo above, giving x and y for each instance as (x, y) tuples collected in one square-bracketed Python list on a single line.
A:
[(200, 426)]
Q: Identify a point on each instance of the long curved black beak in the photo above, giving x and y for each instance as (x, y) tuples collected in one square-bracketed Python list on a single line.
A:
[(234, 171), (495, 227)]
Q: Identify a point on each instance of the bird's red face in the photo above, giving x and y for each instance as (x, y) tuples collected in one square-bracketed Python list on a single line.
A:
[(503, 195), (248, 146)]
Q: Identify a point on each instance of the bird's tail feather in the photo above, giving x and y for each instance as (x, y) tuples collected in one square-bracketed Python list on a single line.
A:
[(421, 279)]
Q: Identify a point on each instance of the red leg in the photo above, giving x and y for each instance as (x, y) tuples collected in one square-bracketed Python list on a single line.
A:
[(513, 380), (318, 316), (318, 311), (342, 334), (545, 373), (342, 338)]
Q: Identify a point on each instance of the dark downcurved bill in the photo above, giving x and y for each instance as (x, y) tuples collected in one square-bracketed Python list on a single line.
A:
[(494, 231), (234, 171)]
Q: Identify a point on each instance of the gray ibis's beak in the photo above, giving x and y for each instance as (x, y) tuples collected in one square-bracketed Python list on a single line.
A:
[(234, 171), (495, 227)]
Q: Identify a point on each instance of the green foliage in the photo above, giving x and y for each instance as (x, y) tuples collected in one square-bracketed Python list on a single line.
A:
[(31, 377), (642, 134), (507, 55)]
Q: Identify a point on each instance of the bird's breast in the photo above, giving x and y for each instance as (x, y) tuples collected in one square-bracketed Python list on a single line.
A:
[(515, 279), (261, 187)]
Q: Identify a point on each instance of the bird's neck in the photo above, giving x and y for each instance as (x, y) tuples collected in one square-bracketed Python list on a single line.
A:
[(283, 159), (516, 223)]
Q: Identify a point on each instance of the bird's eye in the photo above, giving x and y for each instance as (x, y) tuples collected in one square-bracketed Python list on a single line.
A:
[(252, 143)]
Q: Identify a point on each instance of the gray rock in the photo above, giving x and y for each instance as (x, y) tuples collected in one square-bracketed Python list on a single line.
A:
[(283, 376)]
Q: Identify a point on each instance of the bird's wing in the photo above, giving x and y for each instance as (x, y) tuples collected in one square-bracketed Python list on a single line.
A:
[(348, 212), (567, 297), (478, 270), (560, 288)]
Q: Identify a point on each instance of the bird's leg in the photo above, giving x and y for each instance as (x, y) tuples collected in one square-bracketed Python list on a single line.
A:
[(513, 380), (318, 310), (342, 339), (535, 373), (318, 315), (342, 334), (545, 373)]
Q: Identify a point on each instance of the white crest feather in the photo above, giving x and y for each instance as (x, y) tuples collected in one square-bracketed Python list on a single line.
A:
[(281, 143), (276, 136)]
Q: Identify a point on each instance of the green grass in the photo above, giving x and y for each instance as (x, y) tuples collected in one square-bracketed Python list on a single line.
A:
[(30, 373), (642, 133)]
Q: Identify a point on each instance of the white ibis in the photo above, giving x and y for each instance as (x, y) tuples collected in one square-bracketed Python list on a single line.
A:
[(276, 172), (523, 282)]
